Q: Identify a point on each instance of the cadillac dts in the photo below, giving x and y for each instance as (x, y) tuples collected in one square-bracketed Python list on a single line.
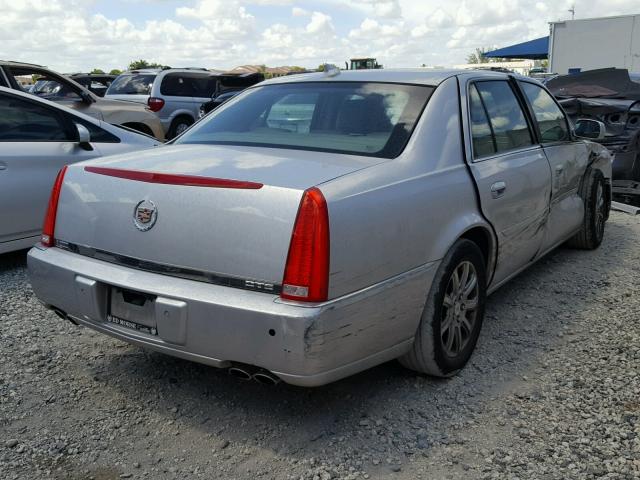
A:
[(317, 225)]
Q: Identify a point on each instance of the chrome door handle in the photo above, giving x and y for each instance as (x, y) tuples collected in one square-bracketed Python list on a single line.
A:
[(498, 189), (3, 166)]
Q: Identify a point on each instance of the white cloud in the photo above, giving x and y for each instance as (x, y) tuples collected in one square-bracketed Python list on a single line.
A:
[(320, 23), (74, 35)]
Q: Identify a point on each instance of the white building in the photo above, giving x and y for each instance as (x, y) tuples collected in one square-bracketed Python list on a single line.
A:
[(591, 43)]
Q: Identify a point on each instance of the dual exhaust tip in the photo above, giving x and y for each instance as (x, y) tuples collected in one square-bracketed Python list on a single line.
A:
[(239, 371), (247, 373)]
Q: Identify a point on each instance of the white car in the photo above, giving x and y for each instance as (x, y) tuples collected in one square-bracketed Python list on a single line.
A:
[(37, 138)]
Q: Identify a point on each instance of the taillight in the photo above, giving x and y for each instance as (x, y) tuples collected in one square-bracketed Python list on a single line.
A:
[(155, 104), (49, 226), (306, 274)]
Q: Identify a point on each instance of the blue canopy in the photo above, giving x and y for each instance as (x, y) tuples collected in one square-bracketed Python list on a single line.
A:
[(534, 49)]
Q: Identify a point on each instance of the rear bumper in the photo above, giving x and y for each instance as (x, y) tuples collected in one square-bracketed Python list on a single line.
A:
[(219, 326)]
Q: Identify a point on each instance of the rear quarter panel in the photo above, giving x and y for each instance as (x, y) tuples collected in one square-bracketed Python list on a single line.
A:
[(403, 213)]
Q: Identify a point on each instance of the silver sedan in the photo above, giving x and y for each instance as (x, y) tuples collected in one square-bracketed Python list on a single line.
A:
[(315, 226), (37, 138)]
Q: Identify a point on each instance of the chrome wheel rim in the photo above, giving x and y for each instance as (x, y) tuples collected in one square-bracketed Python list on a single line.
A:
[(459, 309), (600, 210)]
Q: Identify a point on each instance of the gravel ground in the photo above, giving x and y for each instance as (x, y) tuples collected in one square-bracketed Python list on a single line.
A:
[(553, 392)]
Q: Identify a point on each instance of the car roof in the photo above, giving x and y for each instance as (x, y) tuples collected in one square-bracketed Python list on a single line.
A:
[(24, 64), (417, 76), (49, 103)]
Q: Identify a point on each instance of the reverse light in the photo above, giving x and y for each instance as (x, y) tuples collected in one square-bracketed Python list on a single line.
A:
[(48, 229), (306, 274), (155, 104)]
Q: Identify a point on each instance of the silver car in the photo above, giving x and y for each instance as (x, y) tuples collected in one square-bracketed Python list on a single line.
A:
[(37, 138), (318, 225), (174, 94)]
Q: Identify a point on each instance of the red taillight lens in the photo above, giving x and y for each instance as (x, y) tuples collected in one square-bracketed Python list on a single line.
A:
[(155, 104), (306, 275), (49, 226)]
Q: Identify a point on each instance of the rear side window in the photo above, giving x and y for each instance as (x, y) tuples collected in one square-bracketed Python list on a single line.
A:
[(550, 118), (481, 134), (136, 84), (21, 121), (203, 86), (361, 118), (176, 85), (507, 120)]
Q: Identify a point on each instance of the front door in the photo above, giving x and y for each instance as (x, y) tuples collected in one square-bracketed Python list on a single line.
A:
[(568, 159), (511, 172), (35, 143)]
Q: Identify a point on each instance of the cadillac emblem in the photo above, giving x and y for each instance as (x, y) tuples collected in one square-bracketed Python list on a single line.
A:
[(145, 215)]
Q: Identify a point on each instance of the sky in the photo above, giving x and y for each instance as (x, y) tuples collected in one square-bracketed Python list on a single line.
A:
[(79, 35)]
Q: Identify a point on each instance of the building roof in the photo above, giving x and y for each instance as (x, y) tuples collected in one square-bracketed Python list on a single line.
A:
[(536, 49)]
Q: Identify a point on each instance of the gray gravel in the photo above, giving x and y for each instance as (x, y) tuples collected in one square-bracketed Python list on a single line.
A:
[(553, 392)]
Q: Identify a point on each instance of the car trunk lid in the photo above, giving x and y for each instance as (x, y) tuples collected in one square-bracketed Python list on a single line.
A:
[(223, 212)]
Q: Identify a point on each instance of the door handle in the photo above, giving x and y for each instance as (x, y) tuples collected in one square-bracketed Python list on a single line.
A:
[(498, 189), (3, 166), (559, 169)]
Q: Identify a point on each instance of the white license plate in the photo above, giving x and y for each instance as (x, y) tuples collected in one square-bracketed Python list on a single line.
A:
[(132, 325)]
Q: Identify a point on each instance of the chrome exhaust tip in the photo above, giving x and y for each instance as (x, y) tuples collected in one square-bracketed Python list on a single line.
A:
[(266, 378), (240, 373)]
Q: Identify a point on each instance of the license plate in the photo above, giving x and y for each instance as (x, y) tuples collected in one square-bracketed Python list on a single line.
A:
[(132, 325)]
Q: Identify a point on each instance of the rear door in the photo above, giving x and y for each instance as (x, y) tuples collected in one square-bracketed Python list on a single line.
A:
[(511, 172), (35, 142), (568, 159)]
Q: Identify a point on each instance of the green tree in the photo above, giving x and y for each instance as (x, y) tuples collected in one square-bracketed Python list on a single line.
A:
[(139, 64), (115, 71), (97, 71), (478, 56)]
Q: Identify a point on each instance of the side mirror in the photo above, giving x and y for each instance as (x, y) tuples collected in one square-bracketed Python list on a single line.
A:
[(591, 129), (84, 137), (86, 97)]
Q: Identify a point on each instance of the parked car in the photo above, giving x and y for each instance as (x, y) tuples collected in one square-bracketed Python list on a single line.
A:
[(174, 94), (611, 96), (321, 224), (227, 87), (97, 83), (60, 89), (37, 138)]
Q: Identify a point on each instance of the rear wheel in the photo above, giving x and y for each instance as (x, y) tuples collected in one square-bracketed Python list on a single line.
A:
[(596, 211), (452, 317), (179, 125)]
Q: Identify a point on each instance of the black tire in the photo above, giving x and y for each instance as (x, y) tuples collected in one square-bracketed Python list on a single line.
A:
[(429, 353), (179, 125), (596, 211)]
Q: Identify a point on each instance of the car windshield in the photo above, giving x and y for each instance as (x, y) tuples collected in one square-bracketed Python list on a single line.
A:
[(137, 84), (371, 119)]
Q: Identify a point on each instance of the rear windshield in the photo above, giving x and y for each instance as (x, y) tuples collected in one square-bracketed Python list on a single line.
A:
[(138, 84), (371, 119)]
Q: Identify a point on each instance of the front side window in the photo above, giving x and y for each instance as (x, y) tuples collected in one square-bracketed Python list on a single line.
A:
[(134, 84), (203, 86), (98, 135), (371, 119), (550, 118), (507, 119), (23, 121)]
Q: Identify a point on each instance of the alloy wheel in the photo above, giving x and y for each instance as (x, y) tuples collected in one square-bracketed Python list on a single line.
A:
[(459, 309)]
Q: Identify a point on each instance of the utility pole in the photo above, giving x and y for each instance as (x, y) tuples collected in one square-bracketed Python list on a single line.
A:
[(573, 11)]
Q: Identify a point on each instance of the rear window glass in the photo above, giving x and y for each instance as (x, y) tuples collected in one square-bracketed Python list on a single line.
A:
[(371, 119), (138, 84)]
